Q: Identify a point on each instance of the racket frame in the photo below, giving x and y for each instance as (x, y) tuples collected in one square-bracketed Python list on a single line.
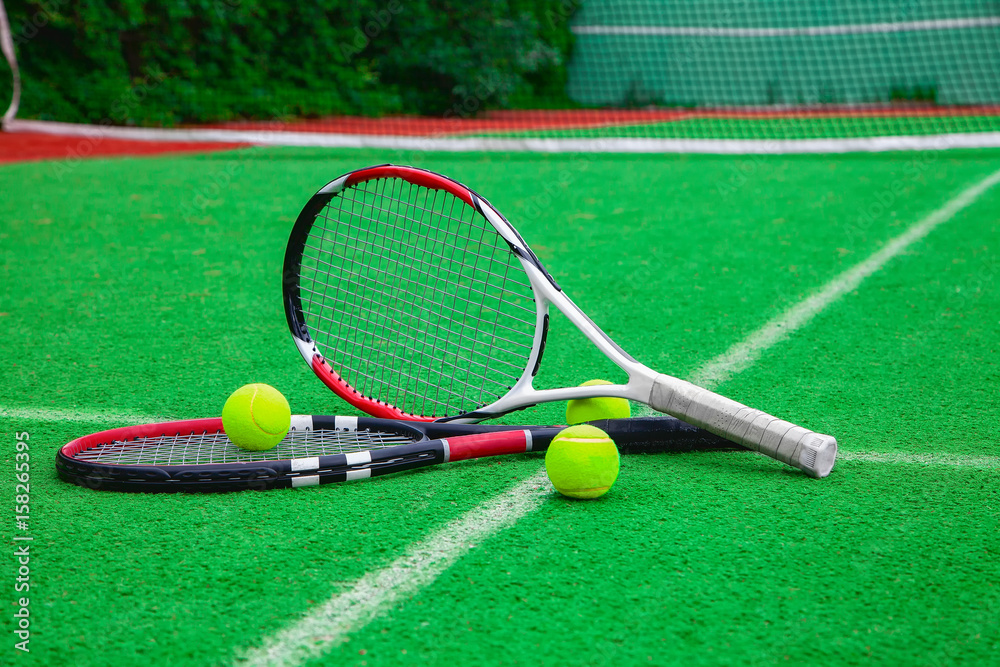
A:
[(431, 443)]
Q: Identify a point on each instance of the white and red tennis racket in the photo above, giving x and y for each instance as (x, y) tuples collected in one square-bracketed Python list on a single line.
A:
[(411, 297), (195, 455)]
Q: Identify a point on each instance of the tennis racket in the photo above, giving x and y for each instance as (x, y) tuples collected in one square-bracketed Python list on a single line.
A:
[(196, 455), (411, 297)]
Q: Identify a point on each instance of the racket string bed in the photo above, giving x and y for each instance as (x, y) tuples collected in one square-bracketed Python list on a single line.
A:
[(365, 283), (399, 388), (429, 303), (499, 376), (318, 260), (332, 321), (216, 447)]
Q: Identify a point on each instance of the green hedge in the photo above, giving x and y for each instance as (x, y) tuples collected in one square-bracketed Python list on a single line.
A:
[(164, 63)]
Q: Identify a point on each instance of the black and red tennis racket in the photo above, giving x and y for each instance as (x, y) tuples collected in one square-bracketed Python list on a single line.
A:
[(196, 455), (411, 297)]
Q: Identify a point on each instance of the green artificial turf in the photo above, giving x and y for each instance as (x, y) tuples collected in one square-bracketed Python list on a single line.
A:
[(149, 288)]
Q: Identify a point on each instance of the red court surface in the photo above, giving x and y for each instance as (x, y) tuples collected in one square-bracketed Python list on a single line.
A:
[(23, 147)]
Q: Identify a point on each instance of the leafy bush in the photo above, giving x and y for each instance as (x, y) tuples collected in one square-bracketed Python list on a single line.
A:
[(150, 63)]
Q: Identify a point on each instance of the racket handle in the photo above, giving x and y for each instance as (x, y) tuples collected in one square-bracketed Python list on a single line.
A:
[(810, 452)]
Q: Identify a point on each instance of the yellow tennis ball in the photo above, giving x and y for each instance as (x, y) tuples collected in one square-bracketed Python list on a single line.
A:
[(581, 410), (256, 417), (582, 462)]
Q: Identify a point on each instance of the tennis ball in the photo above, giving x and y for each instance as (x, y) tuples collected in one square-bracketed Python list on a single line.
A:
[(256, 417), (581, 410), (582, 462)]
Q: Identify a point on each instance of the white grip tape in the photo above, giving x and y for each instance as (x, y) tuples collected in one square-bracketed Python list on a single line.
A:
[(810, 452)]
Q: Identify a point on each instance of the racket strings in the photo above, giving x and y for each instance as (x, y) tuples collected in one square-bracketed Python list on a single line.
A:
[(355, 284), (474, 366), (445, 233), (216, 447), (415, 299)]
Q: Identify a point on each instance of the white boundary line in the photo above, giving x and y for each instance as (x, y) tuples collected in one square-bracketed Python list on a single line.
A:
[(515, 145), (802, 31), (912, 458), (326, 627), (83, 416)]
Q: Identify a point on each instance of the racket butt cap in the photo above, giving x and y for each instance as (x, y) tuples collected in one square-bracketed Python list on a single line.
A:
[(817, 456)]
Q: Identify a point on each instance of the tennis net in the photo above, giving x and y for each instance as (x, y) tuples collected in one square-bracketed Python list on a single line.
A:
[(555, 75)]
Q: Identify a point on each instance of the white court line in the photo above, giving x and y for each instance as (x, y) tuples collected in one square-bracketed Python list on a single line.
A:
[(743, 355), (327, 626), (323, 629), (85, 416), (953, 460)]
